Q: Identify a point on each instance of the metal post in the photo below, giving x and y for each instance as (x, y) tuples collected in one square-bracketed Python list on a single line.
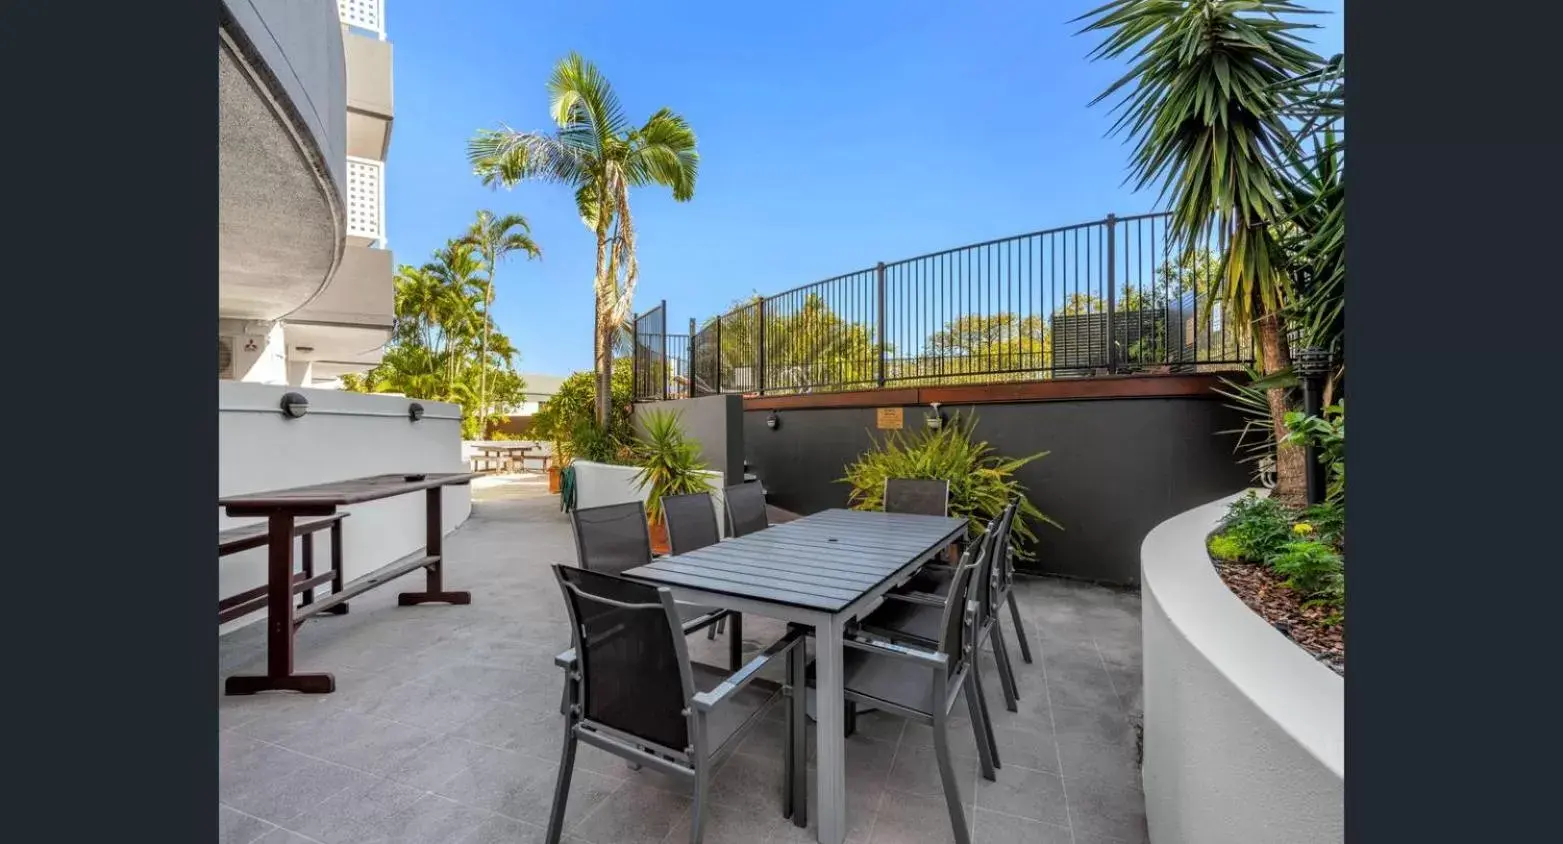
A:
[(759, 375), (1112, 292), (664, 367), (1311, 366), (689, 363), (716, 375), (634, 355), (879, 272)]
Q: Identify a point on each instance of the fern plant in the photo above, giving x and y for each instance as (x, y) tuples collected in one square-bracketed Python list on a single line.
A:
[(670, 461), (981, 483)]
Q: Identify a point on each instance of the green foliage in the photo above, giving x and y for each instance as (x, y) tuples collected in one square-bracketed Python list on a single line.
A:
[(1327, 433), (670, 460), (563, 416), (589, 441), (1248, 396), (1258, 526), (981, 482), (1328, 520), (1225, 548), (1311, 567)]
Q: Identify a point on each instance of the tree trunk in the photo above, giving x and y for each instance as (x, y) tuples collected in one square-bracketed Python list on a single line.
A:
[(1291, 478), (488, 302), (602, 350)]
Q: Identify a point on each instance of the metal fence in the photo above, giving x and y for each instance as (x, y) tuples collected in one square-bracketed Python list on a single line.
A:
[(1111, 296)]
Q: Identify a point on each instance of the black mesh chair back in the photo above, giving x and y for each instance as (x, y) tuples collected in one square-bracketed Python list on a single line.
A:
[(613, 538), (635, 675), (746, 508), (691, 522), (917, 496), (1000, 567), (958, 631)]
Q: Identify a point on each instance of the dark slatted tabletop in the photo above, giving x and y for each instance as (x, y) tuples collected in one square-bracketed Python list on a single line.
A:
[(822, 562), (339, 493)]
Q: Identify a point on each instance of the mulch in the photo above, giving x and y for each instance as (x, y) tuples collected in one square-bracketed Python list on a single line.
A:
[(1265, 593)]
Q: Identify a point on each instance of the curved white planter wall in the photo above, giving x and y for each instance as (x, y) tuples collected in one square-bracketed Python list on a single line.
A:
[(344, 435), (1244, 731), (601, 484)]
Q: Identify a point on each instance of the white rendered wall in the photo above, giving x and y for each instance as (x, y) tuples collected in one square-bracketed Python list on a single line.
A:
[(1245, 739), (344, 436), (599, 484)]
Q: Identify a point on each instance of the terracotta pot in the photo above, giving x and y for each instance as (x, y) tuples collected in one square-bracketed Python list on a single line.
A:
[(553, 479), (659, 536)]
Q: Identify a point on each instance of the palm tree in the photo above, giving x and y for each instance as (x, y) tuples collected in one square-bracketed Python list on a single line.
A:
[(495, 238), (1202, 106), (596, 151)]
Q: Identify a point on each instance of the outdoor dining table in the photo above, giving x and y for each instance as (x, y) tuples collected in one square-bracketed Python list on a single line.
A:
[(821, 571), (281, 508)]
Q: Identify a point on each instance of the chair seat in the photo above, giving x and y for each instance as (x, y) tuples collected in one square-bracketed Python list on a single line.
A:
[(908, 685), (728, 719), (903, 618)]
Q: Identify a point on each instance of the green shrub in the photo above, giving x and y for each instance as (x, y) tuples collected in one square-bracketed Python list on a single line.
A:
[(670, 461), (1328, 521), (1259, 527), (981, 483), (1225, 548), (1311, 567), (1326, 433)]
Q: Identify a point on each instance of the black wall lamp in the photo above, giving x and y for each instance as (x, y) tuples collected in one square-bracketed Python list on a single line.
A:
[(934, 420), (773, 421), (415, 411), (294, 405)]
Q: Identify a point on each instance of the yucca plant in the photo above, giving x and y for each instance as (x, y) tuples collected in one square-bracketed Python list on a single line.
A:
[(981, 482), (671, 463)]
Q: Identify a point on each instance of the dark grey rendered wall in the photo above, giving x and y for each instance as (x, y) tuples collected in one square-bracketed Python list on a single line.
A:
[(1116, 468), (716, 422)]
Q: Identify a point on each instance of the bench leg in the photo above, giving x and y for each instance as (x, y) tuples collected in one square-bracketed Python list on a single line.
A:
[(279, 623), (336, 567), (433, 545), (309, 568)]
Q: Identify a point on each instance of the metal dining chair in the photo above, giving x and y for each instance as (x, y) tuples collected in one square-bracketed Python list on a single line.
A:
[(918, 496), (691, 523), (746, 508), (923, 685), (633, 691)]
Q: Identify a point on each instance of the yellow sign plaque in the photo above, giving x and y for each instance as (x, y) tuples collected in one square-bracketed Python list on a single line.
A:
[(890, 419)]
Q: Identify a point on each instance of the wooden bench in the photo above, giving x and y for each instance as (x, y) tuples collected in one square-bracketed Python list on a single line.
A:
[(246, 537)]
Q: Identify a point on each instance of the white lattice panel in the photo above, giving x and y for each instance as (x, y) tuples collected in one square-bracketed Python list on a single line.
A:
[(365, 195), (364, 14)]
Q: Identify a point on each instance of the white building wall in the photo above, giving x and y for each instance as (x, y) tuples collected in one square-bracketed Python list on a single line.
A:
[(344, 435)]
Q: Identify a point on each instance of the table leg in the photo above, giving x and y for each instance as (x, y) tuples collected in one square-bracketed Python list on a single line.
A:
[(831, 750), (309, 568), (336, 567), (279, 623), (433, 545)]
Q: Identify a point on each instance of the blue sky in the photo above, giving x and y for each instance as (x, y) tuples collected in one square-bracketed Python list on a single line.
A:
[(832, 136)]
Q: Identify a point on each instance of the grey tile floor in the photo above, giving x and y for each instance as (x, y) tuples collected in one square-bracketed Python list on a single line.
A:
[(445, 728)]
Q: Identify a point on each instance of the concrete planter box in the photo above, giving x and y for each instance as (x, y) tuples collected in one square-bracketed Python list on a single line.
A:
[(601, 484), (1244, 731)]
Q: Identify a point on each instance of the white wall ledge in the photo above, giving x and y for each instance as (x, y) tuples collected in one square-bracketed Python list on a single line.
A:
[(1244, 730)]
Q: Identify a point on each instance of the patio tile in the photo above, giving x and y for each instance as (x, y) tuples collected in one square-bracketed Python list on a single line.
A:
[(751, 783), (274, 715), (1108, 812), (433, 818), (963, 737), (916, 772), (1033, 795), (1109, 765), (284, 836), (1083, 690), (535, 729), (422, 705), (235, 827), (915, 820), (483, 680), (367, 811), (1026, 747), (431, 765), (726, 825), (522, 787), (1102, 725), (635, 814), (501, 830), (994, 828), (277, 785), (357, 741)]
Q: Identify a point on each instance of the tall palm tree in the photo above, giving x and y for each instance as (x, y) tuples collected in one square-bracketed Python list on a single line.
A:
[(496, 237), (1201, 105), (596, 151)]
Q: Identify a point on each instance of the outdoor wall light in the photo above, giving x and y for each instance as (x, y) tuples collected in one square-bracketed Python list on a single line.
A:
[(773, 421), (415, 411), (934, 420), (294, 405)]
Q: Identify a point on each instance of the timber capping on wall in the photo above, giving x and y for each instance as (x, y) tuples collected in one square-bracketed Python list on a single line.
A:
[(1201, 385)]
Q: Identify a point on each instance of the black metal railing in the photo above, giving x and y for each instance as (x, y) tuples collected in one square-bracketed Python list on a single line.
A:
[(1112, 296)]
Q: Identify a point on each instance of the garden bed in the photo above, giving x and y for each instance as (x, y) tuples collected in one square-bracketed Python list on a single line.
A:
[(1267, 594)]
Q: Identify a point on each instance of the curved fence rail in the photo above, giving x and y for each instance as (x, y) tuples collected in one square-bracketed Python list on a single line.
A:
[(1112, 296)]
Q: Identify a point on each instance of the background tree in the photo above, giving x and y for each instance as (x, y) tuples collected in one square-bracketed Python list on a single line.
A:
[(807, 344), (1005, 345), (1202, 108), (596, 151), (496, 237)]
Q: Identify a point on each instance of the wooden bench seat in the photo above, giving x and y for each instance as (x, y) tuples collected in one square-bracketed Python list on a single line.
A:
[(245, 537)]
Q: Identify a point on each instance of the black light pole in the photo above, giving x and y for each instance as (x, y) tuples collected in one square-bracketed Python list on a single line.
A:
[(1312, 365)]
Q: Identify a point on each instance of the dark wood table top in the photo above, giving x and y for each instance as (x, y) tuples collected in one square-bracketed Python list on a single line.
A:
[(825, 561), (323, 499)]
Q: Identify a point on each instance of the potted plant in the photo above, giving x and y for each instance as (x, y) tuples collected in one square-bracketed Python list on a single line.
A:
[(670, 465)]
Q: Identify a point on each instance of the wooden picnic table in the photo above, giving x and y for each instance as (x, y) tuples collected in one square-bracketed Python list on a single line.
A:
[(504, 454), (282, 509), (821, 571)]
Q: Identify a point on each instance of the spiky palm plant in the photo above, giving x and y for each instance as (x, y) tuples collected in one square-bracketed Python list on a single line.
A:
[(600, 154), (1201, 106)]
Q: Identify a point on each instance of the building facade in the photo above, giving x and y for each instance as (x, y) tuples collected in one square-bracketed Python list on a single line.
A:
[(306, 104)]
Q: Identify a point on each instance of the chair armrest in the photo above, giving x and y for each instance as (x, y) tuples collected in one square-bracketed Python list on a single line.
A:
[(862, 642), (923, 598), (707, 701), (566, 659)]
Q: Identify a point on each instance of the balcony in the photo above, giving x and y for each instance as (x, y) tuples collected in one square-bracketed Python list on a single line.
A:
[(370, 92), (365, 202), (366, 16)]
